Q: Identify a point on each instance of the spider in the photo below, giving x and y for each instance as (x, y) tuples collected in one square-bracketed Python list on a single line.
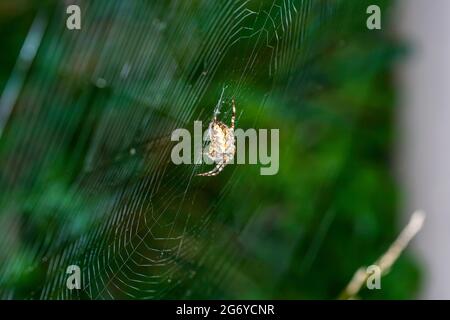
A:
[(221, 143)]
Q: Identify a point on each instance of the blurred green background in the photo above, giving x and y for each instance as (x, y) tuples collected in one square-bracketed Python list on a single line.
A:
[(86, 177)]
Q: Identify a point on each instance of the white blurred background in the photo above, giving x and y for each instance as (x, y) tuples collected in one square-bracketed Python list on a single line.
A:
[(423, 159)]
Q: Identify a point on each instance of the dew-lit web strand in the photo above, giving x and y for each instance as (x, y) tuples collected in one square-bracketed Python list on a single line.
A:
[(121, 101), (106, 59), (181, 95), (144, 244), (30, 131), (215, 112), (211, 67), (244, 72), (223, 190), (143, 88), (45, 131), (124, 263)]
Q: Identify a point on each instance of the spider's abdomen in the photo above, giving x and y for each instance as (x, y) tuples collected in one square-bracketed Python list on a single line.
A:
[(221, 142)]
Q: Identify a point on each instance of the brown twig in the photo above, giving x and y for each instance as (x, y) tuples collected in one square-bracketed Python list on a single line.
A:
[(386, 261)]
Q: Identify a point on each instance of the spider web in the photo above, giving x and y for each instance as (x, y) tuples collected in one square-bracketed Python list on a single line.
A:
[(85, 148)]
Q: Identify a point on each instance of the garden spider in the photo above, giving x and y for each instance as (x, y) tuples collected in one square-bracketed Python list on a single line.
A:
[(221, 143)]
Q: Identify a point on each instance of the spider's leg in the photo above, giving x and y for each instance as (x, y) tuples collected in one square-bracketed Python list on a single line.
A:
[(233, 115), (214, 172), (209, 173), (219, 168)]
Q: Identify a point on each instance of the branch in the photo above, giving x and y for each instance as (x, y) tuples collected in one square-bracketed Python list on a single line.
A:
[(386, 261)]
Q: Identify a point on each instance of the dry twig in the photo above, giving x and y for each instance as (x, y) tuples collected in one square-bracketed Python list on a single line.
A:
[(386, 261)]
